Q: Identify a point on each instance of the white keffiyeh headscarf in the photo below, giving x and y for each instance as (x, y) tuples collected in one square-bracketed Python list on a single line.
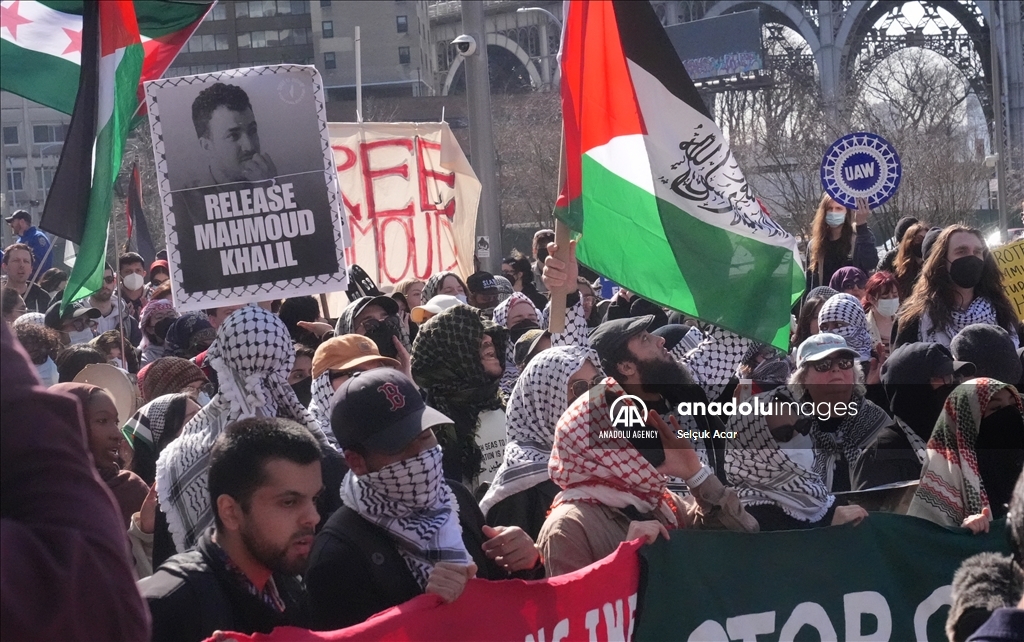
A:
[(538, 399), (847, 309), (508, 378), (762, 473), (252, 355), (412, 502), (320, 405)]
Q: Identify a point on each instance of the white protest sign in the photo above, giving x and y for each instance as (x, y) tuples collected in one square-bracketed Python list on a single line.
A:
[(251, 205)]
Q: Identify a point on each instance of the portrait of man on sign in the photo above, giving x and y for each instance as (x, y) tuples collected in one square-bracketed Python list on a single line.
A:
[(229, 136)]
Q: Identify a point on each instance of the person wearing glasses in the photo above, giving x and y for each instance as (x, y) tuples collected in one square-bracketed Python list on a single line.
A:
[(110, 318), (521, 493), (829, 384)]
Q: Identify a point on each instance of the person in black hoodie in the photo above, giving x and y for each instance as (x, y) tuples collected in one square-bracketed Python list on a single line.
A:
[(917, 378), (403, 529)]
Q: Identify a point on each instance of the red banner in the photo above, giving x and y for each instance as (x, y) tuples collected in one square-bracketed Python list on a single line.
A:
[(594, 603)]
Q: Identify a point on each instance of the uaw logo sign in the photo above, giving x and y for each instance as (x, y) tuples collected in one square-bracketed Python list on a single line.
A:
[(628, 411), (861, 165)]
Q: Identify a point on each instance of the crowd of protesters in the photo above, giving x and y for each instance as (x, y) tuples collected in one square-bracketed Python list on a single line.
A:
[(247, 467)]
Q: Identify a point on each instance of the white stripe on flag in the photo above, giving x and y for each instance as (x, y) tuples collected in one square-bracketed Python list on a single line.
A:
[(107, 88), (46, 31)]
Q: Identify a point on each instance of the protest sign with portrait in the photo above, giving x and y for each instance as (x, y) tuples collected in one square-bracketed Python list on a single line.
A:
[(250, 196)]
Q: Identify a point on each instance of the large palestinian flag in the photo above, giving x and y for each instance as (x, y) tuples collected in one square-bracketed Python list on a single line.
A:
[(41, 44), (661, 204)]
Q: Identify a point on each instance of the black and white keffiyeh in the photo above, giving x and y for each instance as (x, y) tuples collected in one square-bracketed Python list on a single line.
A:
[(538, 399), (508, 378), (147, 424), (252, 355), (433, 285), (847, 309), (713, 362), (320, 405), (762, 473), (979, 311), (849, 439), (412, 502)]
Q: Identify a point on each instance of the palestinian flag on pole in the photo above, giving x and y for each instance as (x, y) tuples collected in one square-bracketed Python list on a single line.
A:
[(82, 191), (652, 187), (41, 44)]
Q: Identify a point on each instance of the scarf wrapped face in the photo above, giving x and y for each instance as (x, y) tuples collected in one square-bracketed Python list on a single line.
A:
[(412, 502), (846, 309), (320, 404), (189, 335), (951, 488), (607, 471), (252, 356), (148, 423), (151, 315), (538, 400), (762, 473)]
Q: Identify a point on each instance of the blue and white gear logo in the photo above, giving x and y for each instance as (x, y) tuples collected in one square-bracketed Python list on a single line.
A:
[(858, 165)]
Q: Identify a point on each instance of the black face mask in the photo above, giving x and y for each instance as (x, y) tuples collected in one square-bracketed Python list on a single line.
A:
[(1008, 423), (160, 331), (381, 332), (966, 271), (915, 249), (304, 390), (522, 328)]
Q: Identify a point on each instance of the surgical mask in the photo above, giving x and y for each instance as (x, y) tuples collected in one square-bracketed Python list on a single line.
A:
[(415, 483), (47, 372), (81, 336), (835, 219), (461, 298), (202, 399), (800, 450), (966, 271), (117, 363), (887, 307), (133, 282)]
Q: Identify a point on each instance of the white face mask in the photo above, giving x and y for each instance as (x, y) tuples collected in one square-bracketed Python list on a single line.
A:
[(835, 219), (887, 307), (117, 363), (203, 399), (800, 449), (48, 372), (81, 336), (132, 282), (461, 298)]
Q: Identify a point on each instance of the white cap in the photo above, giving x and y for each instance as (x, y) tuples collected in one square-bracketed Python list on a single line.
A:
[(436, 305)]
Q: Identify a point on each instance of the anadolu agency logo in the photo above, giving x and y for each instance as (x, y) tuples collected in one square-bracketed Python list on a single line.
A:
[(625, 415)]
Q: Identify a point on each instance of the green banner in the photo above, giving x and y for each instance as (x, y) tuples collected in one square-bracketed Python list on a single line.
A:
[(885, 579)]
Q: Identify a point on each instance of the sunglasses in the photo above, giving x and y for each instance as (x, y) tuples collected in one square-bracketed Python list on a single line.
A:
[(108, 279), (580, 387), (338, 374), (844, 363)]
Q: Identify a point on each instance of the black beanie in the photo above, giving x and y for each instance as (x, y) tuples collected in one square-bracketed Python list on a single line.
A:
[(990, 349)]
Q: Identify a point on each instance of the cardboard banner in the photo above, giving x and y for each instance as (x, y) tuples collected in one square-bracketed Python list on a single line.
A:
[(411, 197), (595, 603), (1010, 259), (887, 578), (251, 204)]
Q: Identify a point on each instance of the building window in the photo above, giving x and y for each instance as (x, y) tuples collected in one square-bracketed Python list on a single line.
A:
[(219, 12), (208, 42), (15, 179), (403, 55), (402, 22), (329, 61), (48, 133), (44, 176), (11, 135), (328, 28), (274, 38)]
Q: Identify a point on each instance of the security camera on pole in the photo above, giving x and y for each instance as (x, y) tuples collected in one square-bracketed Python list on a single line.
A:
[(472, 46)]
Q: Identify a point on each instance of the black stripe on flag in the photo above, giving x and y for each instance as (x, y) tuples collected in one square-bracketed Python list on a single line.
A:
[(646, 44), (138, 216), (68, 201)]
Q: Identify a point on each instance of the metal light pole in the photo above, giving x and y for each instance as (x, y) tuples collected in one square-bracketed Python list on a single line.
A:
[(478, 92), (545, 52), (997, 136)]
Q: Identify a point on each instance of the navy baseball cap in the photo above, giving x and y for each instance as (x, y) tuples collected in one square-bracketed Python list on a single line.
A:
[(382, 411), (608, 337)]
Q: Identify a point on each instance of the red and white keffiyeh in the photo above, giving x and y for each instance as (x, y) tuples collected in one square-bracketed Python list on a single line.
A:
[(592, 466)]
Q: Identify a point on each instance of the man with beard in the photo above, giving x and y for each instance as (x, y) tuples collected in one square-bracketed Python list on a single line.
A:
[(111, 318), (264, 479)]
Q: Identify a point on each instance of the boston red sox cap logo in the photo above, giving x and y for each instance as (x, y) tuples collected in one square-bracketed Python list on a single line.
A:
[(394, 395)]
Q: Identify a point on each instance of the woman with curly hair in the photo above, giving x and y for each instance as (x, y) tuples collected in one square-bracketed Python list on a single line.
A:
[(839, 237), (959, 285)]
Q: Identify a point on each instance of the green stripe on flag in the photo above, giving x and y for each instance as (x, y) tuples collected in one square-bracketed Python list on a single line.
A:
[(87, 275), (676, 260), (49, 82)]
